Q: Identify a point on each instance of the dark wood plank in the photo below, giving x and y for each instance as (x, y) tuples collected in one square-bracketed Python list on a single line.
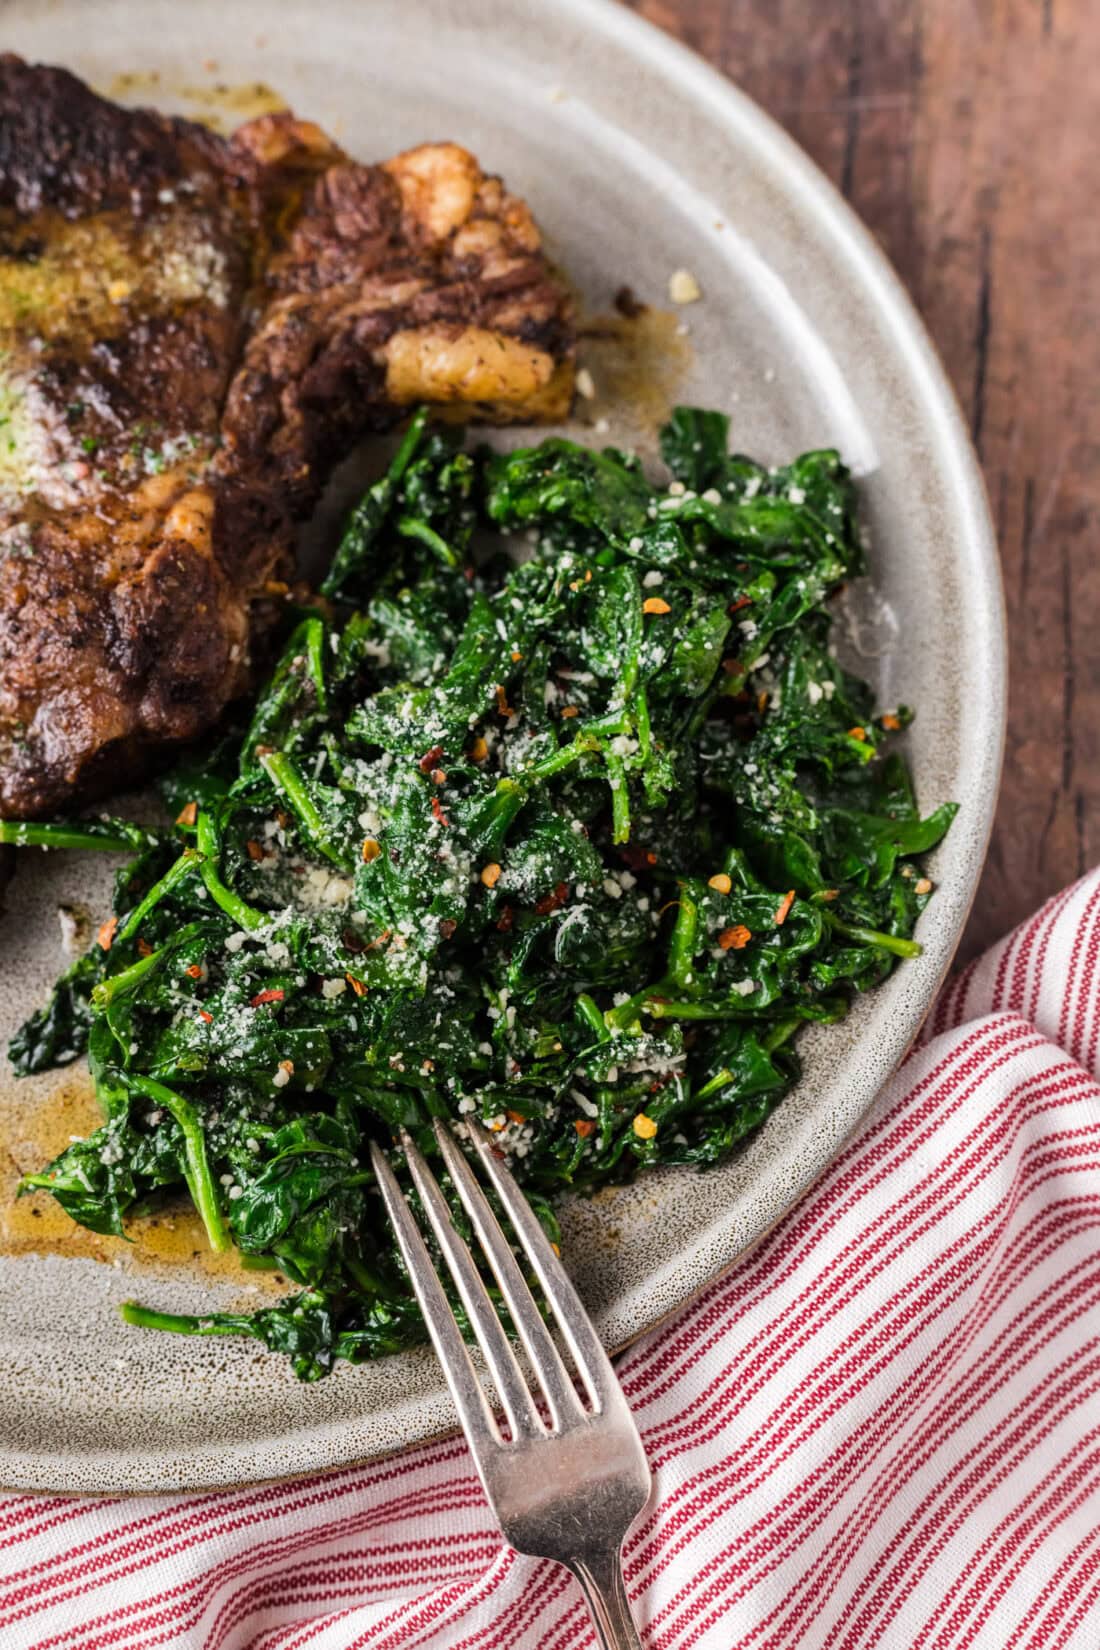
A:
[(965, 134)]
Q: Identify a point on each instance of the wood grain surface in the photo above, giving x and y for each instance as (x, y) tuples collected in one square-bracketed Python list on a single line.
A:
[(967, 137)]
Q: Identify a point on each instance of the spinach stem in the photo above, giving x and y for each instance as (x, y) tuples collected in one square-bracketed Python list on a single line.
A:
[(619, 1018), (781, 1032), (620, 797), (588, 1012), (559, 760), (315, 632), (287, 777), (411, 527), (180, 1323), (662, 1009), (200, 1181), (175, 873), (874, 936), (119, 984), (369, 1282), (35, 1182), (22, 833), (681, 945), (717, 1082), (243, 914), (642, 724)]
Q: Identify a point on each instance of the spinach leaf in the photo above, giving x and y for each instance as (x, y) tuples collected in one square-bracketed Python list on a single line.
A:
[(573, 841)]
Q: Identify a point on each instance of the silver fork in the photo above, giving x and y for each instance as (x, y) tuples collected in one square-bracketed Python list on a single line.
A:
[(568, 1491)]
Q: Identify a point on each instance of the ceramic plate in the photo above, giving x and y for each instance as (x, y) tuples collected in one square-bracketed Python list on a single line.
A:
[(639, 161)]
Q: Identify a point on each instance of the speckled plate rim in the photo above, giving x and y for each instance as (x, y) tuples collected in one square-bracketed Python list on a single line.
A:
[(605, 24), (446, 1433)]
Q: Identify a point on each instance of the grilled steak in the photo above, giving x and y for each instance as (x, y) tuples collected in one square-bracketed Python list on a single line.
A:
[(193, 330)]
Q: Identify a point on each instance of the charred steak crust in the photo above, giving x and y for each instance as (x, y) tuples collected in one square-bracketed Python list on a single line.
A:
[(64, 147), (193, 331)]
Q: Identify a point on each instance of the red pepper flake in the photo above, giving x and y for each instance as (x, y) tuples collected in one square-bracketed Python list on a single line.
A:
[(732, 667), (857, 732), (584, 1127), (275, 996), (478, 751), (551, 902), (188, 814), (194, 971), (517, 1117), (506, 919), (430, 759), (637, 858), (144, 949), (437, 810), (376, 945), (735, 938), (447, 927), (829, 894), (761, 702), (516, 657), (891, 722), (570, 710), (438, 776), (655, 604), (356, 985), (503, 707), (742, 601), (784, 907), (203, 1015), (107, 933), (282, 819), (255, 852)]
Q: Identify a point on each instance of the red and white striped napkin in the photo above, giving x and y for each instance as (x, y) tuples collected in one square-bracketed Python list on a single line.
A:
[(882, 1428)]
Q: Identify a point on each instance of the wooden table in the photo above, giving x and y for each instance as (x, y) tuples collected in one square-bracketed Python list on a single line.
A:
[(966, 134)]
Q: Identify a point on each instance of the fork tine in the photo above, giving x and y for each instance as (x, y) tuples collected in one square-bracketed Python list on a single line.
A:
[(576, 1327), (511, 1387), (466, 1390), (553, 1376)]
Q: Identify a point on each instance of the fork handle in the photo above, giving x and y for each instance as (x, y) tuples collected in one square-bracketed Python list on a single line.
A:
[(601, 1577)]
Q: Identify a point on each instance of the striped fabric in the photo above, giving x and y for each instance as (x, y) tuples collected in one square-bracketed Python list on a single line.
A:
[(882, 1429)]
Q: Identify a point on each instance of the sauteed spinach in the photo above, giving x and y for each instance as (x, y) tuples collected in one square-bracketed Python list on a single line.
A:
[(559, 811)]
